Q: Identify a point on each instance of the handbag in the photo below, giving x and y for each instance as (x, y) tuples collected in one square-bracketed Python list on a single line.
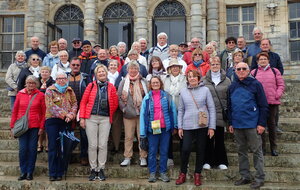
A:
[(21, 125), (224, 110), (202, 115)]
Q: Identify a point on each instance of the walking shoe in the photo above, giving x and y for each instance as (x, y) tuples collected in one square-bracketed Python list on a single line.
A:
[(22, 177), (242, 181), (126, 162), (52, 178), (197, 179), (206, 167), (59, 178), (152, 178), (170, 162), (92, 176), (181, 179), (143, 162), (164, 177), (222, 167), (29, 177), (256, 185), (101, 175), (274, 153)]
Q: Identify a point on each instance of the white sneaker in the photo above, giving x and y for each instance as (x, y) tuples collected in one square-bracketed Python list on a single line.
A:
[(126, 162), (206, 167), (170, 162), (143, 162), (222, 167)]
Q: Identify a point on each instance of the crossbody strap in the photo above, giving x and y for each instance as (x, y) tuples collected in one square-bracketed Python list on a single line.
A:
[(29, 105), (218, 98), (194, 99)]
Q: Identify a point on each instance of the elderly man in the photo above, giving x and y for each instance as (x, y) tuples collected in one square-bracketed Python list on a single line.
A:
[(35, 42), (183, 47), (144, 51), (86, 55), (62, 44), (122, 50), (78, 81), (226, 55), (101, 59), (241, 44), (247, 115), (254, 48), (96, 47), (161, 50), (76, 50), (195, 43)]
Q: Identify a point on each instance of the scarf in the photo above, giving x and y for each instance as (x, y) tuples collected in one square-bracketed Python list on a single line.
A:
[(53, 56), (157, 73), (35, 71), (216, 77), (61, 89), (197, 63), (174, 86), (64, 66), (112, 77), (21, 64)]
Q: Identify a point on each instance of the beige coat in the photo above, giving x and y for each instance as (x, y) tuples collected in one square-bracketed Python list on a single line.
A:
[(11, 77)]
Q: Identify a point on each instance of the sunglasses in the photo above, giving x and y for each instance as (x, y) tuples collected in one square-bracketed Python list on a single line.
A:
[(75, 65), (241, 68), (77, 42), (61, 78), (197, 54), (35, 59)]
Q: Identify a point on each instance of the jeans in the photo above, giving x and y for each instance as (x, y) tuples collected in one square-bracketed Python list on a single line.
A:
[(27, 150), (12, 102), (160, 141), (271, 123)]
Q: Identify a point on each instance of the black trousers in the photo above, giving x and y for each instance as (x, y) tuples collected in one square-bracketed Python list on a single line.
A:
[(215, 151), (189, 136), (271, 123)]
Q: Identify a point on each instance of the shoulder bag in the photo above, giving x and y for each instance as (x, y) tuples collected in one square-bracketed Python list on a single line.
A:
[(202, 116)]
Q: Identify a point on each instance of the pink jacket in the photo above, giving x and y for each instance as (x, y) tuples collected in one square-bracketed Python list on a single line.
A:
[(273, 86)]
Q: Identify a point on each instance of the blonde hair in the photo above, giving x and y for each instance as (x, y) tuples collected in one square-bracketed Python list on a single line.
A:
[(46, 68), (100, 66)]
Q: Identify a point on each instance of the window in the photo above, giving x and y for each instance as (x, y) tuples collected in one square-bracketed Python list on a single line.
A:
[(240, 21), (11, 39), (294, 24)]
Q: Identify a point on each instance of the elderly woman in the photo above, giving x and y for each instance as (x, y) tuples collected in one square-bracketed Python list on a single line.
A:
[(61, 109), (12, 74), (51, 58), (218, 83), (173, 54), (131, 91), (63, 65), (192, 125), (114, 54), (33, 68), (158, 118), (141, 59), (237, 58), (36, 119), (210, 49), (97, 107), (156, 68), (273, 85), (198, 63)]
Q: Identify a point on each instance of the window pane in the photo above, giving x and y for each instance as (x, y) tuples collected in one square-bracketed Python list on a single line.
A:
[(247, 31), (19, 42), (295, 50), (248, 13), (294, 10), (7, 24), (232, 14), (5, 60), (233, 30), (19, 24), (293, 30), (7, 42), (298, 30)]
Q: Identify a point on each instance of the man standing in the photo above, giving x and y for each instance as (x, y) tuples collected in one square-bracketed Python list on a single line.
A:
[(161, 50), (62, 44), (241, 44), (144, 51), (35, 42), (247, 115), (85, 56), (122, 50), (101, 59), (183, 47), (96, 48), (254, 48), (76, 50), (195, 43)]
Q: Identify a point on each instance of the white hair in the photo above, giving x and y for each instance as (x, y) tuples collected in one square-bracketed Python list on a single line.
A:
[(142, 39), (63, 52), (121, 43), (20, 53), (257, 28), (62, 39), (61, 73), (162, 34)]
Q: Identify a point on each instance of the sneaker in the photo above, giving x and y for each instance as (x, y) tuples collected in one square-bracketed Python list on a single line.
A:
[(152, 178), (164, 177), (101, 175), (170, 162), (206, 167), (126, 162), (92, 176), (222, 167), (143, 162)]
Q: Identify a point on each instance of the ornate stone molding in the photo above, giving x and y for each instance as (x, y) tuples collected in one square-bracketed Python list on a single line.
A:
[(15, 4)]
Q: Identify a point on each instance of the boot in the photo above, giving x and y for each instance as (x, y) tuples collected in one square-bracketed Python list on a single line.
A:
[(197, 179), (181, 179)]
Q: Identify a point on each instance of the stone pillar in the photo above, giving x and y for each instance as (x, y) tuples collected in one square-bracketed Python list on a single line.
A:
[(29, 19), (212, 20), (141, 19), (90, 21), (196, 19), (39, 23)]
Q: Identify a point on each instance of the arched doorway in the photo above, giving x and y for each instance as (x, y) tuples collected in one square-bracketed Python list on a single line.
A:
[(169, 17), (117, 25)]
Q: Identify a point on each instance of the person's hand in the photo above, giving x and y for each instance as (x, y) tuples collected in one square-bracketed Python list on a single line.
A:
[(70, 116), (180, 133), (41, 131), (210, 133), (230, 128), (260, 129), (82, 123)]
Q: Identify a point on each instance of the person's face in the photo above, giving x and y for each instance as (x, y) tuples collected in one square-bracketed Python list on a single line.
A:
[(197, 56), (193, 80), (136, 47), (265, 45), (62, 45), (241, 43), (133, 56), (61, 80), (263, 61), (122, 49), (231, 44), (76, 44), (113, 52), (97, 48), (195, 43), (63, 58), (20, 58), (215, 67), (101, 75), (257, 35), (155, 64), (75, 66), (113, 67), (30, 85), (54, 49), (162, 40), (242, 71), (209, 49), (87, 48), (175, 70), (102, 54), (155, 84), (133, 71), (35, 43), (238, 57), (45, 74), (143, 45), (35, 61), (174, 53)]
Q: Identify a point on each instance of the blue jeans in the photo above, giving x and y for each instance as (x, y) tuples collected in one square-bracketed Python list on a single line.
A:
[(83, 143), (12, 102), (27, 150), (55, 161), (160, 141)]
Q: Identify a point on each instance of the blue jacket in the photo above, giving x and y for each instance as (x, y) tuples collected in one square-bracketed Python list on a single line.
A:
[(37, 51), (254, 49), (147, 113), (247, 104), (275, 62)]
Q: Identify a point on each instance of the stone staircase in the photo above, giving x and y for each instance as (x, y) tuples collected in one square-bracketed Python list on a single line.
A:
[(282, 172)]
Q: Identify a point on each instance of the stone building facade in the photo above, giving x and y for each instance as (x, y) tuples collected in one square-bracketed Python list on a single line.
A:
[(109, 21)]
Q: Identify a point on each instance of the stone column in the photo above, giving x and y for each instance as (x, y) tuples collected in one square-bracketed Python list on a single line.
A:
[(196, 19), (141, 19), (90, 21), (39, 22), (212, 20), (29, 19)]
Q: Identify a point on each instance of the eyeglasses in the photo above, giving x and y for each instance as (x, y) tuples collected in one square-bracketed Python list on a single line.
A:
[(76, 42), (195, 42), (30, 83), (241, 68), (231, 42), (257, 33), (35, 59), (197, 54), (75, 65), (61, 78), (215, 64), (262, 59)]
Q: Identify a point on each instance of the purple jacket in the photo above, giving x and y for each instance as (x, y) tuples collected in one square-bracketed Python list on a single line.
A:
[(273, 86)]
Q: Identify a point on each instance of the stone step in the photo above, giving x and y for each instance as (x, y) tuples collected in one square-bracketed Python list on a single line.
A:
[(273, 174), (10, 182)]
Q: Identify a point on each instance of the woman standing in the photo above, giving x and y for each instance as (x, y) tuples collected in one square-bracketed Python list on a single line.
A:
[(63, 65), (158, 118), (156, 68), (141, 59), (218, 83), (114, 54), (61, 109), (36, 119), (131, 91), (97, 107), (198, 63), (237, 58), (51, 58), (210, 49), (273, 85), (12, 74), (195, 97), (113, 72)]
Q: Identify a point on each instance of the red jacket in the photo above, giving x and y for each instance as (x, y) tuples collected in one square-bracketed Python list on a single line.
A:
[(36, 114), (187, 57), (89, 96), (204, 67), (120, 60)]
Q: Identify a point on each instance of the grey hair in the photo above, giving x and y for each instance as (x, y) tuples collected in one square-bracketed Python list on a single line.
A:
[(247, 66), (62, 39), (133, 63), (133, 51), (142, 39), (63, 52), (162, 34), (113, 61), (135, 43), (121, 43), (20, 53), (257, 28), (34, 79), (61, 73)]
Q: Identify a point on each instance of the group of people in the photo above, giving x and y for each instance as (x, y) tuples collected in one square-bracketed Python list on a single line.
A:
[(154, 94)]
